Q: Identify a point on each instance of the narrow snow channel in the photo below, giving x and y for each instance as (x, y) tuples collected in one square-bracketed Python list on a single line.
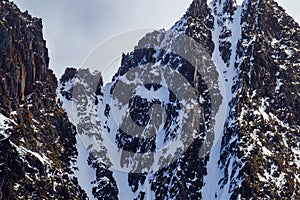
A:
[(85, 173), (211, 189)]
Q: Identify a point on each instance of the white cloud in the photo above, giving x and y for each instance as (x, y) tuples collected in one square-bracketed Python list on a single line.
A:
[(73, 28)]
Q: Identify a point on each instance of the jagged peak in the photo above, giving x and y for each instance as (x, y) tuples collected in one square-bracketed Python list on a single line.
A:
[(262, 8), (83, 76), (261, 3), (225, 6), (198, 9), (10, 6), (71, 73)]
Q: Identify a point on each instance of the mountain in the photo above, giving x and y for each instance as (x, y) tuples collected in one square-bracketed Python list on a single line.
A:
[(255, 50), (36, 137), (208, 109)]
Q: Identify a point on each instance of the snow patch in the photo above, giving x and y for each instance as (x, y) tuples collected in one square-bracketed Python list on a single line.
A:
[(84, 172), (23, 151), (4, 125)]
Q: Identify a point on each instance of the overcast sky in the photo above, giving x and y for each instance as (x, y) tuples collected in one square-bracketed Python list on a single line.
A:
[(73, 28)]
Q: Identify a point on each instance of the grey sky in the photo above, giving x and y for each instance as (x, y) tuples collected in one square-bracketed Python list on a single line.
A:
[(73, 28)]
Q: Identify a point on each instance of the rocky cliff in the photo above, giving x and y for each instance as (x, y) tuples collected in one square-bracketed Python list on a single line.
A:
[(36, 138), (254, 48), (235, 66)]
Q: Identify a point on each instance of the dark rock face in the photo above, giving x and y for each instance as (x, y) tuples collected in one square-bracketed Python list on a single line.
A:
[(265, 107), (269, 80), (197, 23), (23, 53), (259, 155), (81, 87), (38, 149)]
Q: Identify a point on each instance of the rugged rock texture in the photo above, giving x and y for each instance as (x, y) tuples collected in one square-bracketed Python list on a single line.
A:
[(266, 106), (23, 52), (255, 48), (251, 49), (80, 88), (182, 178), (38, 144)]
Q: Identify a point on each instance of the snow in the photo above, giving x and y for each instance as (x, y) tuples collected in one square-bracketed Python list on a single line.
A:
[(16, 186), (278, 85), (275, 118), (85, 173), (121, 178), (297, 156), (4, 125), (280, 182), (266, 151), (211, 187), (283, 67), (239, 2), (13, 112), (262, 111), (274, 42), (288, 52), (120, 174), (209, 2), (23, 151), (261, 178), (161, 94)]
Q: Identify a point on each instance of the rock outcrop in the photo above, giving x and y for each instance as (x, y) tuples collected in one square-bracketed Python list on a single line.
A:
[(255, 48), (38, 144), (250, 54)]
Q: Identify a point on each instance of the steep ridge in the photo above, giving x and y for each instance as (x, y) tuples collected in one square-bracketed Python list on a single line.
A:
[(255, 49), (241, 62), (261, 138), (157, 48), (36, 138), (78, 90), (254, 148)]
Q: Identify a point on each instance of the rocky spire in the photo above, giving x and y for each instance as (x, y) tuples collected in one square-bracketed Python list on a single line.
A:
[(37, 140), (24, 56), (198, 9)]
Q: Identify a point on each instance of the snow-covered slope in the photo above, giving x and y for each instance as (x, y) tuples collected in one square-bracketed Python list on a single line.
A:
[(37, 141), (252, 58), (208, 109)]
